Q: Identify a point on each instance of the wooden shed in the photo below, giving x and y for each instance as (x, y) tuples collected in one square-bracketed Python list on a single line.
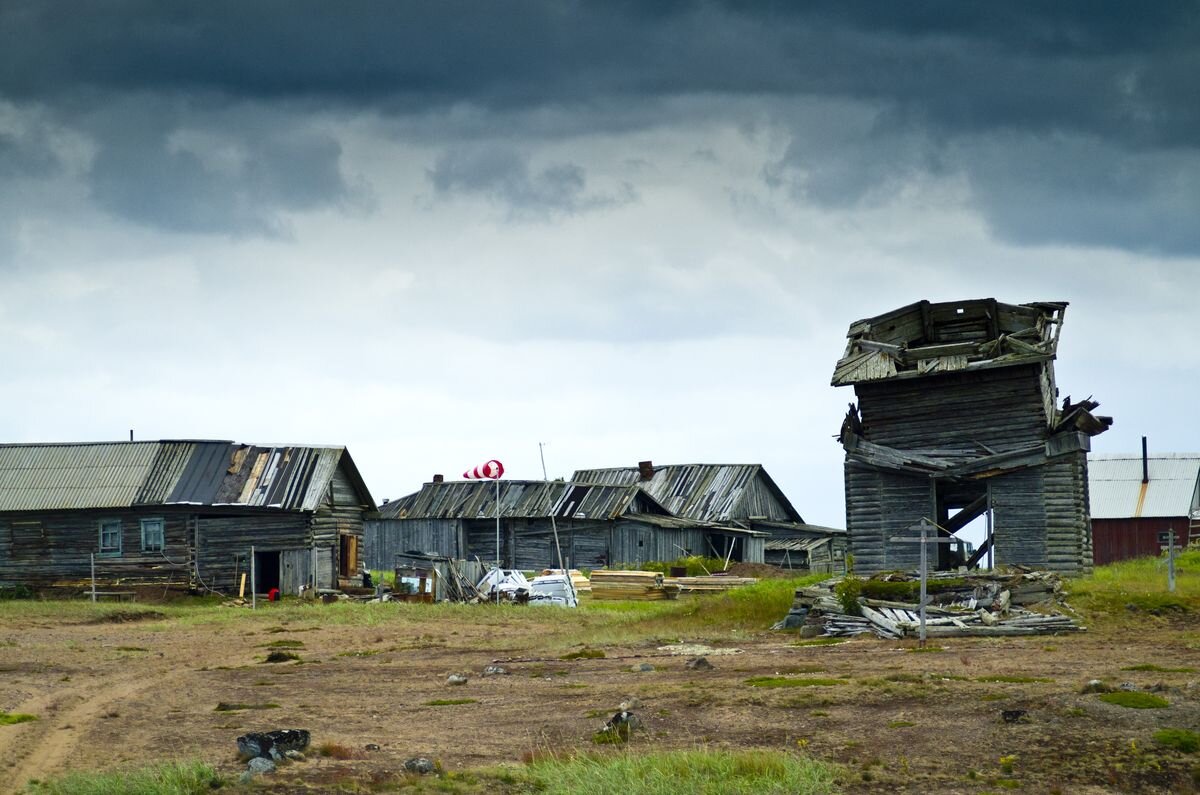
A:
[(1138, 499), (180, 513), (958, 418)]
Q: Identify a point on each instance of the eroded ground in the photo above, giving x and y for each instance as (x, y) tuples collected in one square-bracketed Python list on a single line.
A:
[(110, 694)]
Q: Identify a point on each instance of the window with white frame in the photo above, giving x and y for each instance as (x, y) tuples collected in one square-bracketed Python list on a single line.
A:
[(110, 536), (152, 535)]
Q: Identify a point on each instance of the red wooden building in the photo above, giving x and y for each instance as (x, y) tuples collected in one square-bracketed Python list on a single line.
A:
[(1137, 499)]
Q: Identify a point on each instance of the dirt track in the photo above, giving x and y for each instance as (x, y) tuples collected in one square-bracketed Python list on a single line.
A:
[(114, 694)]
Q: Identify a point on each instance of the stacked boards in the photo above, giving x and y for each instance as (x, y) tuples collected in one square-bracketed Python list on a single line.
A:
[(713, 583), (635, 585)]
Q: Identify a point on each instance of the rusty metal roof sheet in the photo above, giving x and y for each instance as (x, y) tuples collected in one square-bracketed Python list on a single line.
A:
[(526, 499), (701, 492), (1116, 491), (44, 477), (928, 338)]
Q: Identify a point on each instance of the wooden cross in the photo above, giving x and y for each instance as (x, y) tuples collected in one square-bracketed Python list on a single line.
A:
[(925, 525)]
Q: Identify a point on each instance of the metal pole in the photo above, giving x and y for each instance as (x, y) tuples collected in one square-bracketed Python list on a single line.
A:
[(253, 581), (1171, 559), (496, 585), (93, 577), (924, 576)]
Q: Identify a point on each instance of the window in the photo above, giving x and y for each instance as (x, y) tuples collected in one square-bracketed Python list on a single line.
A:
[(152, 535), (110, 536)]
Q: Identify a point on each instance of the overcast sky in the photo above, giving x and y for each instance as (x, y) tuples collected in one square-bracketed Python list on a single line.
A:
[(440, 233)]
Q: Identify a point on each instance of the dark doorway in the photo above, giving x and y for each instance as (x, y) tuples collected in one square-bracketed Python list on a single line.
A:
[(959, 504), (266, 571)]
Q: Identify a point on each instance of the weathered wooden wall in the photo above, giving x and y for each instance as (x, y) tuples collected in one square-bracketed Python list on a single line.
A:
[(223, 544), (880, 505), (44, 548), (759, 501), (1003, 408)]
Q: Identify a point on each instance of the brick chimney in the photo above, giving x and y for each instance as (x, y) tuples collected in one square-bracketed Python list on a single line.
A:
[(646, 470), (438, 479)]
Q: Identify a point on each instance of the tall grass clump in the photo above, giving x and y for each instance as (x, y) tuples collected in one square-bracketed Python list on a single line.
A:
[(171, 778), (697, 772), (1140, 585)]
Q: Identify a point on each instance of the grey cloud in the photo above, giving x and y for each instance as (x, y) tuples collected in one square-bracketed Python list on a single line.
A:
[(505, 176), (938, 74), (1085, 192), (239, 181)]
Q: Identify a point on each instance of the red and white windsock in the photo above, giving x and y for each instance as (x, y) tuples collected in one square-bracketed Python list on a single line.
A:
[(492, 470)]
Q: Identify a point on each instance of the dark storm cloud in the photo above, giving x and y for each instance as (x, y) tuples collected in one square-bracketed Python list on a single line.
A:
[(505, 176), (214, 180), (941, 77)]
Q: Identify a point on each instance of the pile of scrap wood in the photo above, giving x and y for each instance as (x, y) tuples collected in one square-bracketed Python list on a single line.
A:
[(713, 583), (640, 585), (977, 604)]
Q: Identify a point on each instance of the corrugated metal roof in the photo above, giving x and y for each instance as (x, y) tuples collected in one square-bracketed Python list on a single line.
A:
[(68, 476), (701, 492), (44, 477), (525, 499), (1115, 485)]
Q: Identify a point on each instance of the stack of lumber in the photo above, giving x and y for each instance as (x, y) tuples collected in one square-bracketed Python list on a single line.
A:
[(637, 585), (713, 583), (986, 604), (578, 581)]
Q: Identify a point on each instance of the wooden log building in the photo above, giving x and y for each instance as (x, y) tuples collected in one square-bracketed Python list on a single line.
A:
[(957, 418), (179, 513), (621, 515)]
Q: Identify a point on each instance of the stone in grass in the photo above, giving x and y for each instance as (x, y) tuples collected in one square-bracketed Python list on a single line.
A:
[(617, 729), (698, 664), (1013, 715), (1095, 686), (642, 668), (420, 765), (257, 766), (495, 670), (272, 744), (456, 679)]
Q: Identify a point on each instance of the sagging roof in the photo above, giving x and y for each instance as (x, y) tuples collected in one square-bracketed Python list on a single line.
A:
[(1116, 490), (519, 499), (79, 476), (927, 338), (701, 492)]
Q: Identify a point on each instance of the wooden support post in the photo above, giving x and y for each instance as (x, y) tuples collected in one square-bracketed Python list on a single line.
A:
[(93, 578), (253, 581), (242, 587)]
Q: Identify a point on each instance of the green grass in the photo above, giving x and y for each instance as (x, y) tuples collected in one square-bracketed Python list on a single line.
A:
[(450, 702), (1158, 669), (175, 778), (1139, 586), (823, 641), (1180, 739), (702, 772), (787, 681), (9, 718), (1134, 700), (584, 654)]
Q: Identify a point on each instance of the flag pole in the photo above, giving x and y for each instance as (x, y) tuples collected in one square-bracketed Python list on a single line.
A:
[(496, 588)]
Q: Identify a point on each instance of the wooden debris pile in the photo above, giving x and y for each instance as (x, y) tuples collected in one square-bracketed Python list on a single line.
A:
[(636, 585), (713, 583), (973, 605)]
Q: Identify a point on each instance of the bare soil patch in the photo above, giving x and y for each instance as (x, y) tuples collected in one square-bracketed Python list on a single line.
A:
[(898, 720)]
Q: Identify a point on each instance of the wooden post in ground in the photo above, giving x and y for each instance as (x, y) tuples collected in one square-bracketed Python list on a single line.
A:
[(925, 525)]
